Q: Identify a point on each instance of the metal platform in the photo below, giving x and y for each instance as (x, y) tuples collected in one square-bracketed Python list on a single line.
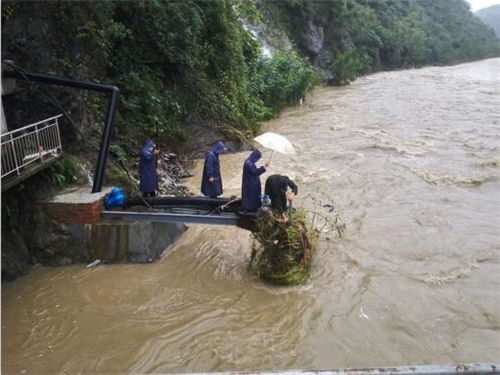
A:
[(211, 219), (28, 171), (187, 210)]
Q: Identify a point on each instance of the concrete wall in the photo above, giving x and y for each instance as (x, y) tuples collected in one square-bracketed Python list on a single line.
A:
[(67, 229), (3, 123), (138, 242), (75, 216), (8, 86)]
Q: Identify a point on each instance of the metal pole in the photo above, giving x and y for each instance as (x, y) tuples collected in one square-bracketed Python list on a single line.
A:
[(85, 85), (290, 212), (227, 219), (59, 144), (106, 135), (270, 156), (15, 155), (39, 147), (51, 136), (51, 80)]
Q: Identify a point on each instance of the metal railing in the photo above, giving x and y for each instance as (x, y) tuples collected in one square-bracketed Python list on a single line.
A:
[(29, 144)]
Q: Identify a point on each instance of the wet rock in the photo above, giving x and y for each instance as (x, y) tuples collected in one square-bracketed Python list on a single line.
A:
[(65, 261), (16, 258), (53, 243), (315, 38), (170, 156), (168, 181), (186, 174)]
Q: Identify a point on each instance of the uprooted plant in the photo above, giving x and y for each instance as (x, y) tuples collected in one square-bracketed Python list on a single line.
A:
[(282, 253)]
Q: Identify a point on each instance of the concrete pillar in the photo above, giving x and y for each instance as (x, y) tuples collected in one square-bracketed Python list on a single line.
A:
[(79, 233), (8, 86), (4, 123)]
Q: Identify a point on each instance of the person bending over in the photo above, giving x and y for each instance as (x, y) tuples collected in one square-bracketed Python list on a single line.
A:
[(276, 187)]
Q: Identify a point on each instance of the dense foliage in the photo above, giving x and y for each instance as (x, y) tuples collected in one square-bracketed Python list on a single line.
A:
[(176, 62), (190, 63), (362, 36)]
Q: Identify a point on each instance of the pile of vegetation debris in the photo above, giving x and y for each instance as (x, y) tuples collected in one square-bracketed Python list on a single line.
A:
[(282, 253)]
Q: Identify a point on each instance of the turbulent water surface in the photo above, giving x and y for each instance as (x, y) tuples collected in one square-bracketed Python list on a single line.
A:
[(410, 161)]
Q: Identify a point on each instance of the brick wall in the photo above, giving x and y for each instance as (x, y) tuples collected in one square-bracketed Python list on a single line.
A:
[(75, 213)]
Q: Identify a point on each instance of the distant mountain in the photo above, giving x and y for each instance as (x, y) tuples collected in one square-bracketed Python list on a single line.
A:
[(491, 17)]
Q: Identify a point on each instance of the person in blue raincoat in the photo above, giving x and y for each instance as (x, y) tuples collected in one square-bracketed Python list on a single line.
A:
[(147, 169), (211, 182), (251, 187)]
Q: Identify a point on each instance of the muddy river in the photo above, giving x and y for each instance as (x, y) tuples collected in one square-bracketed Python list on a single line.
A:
[(409, 159)]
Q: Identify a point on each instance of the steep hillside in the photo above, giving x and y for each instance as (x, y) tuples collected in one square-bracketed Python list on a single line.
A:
[(347, 38), (185, 66), (181, 65), (491, 17)]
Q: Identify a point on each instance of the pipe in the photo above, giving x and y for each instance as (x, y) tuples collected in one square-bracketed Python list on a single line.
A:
[(227, 219), (174, 201), (66, 82), (85, 85), (106, 135)]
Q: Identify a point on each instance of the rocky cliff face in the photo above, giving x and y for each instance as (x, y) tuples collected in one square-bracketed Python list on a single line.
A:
[(308, 37), (345, 39)]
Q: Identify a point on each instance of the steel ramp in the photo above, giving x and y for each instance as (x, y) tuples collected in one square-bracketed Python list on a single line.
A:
[(187, 210), (168, 217)]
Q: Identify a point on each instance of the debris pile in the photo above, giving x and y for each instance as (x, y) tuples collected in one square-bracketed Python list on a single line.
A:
[(282, 253)]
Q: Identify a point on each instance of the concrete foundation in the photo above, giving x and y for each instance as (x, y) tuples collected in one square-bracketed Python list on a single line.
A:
[(119, 241), (83, 236)]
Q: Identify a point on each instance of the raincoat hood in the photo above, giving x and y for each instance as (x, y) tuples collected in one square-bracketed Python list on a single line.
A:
[(255, 155), (219, 147), (149, 145), (147, 169)]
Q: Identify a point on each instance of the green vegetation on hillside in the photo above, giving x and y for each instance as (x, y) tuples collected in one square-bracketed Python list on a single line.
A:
[(190, 68), (190, 63), (176, 62), (362, 36)]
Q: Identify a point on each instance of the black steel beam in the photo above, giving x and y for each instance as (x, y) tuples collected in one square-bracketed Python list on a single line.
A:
[(106, 137), (175, 201), (85, 85), (216, 219), (52, 80)]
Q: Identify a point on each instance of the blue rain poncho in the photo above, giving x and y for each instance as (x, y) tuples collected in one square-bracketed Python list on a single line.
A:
[(251, 187), (212, 169), (147, 169)]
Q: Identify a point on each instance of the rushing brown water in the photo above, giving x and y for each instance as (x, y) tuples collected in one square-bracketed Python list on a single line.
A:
[(410, 160)]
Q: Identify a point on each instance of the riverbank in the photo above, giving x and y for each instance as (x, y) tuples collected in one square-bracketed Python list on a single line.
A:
[(413, 279), (30, 237)]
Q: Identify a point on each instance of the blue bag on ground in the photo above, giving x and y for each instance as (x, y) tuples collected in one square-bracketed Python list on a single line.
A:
[(115, 198)]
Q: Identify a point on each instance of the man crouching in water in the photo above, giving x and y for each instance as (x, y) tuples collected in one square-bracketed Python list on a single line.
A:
[(276, 186)]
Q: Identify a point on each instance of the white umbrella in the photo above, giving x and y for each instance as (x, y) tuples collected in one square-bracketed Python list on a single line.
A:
[(275, 142)]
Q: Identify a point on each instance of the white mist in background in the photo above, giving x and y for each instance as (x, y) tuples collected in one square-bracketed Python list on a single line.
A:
[(476, 5)]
